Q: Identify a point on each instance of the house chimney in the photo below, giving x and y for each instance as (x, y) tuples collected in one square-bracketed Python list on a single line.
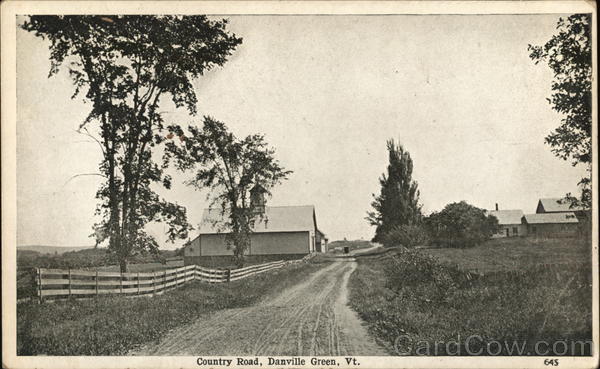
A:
[(496, 206)]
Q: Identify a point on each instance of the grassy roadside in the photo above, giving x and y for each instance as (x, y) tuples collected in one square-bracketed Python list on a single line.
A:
[(115, 325), (515, 253), (414, 296)]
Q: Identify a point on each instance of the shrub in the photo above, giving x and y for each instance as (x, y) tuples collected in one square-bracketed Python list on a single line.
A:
[(461, 225), (26, 284), (407, 236), (412, 295), (419, 277)]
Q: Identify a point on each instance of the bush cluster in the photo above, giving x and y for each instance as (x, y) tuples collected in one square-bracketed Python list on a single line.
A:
[(411, 294), (406, 235), (458, 225), (420, 278)]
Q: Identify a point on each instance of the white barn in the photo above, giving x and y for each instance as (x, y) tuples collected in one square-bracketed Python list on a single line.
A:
[(283, 232)]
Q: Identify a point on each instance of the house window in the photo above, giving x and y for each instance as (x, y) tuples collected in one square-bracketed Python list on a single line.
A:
[(533, 229), (515, 231)]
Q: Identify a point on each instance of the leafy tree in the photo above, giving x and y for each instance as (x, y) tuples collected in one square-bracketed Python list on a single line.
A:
[(124, 65), (398, 202), (569, 55), (461, 225), (232, 168)]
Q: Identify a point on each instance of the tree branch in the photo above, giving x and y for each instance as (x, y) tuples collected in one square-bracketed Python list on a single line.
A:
[(87, 133), (82, 175)]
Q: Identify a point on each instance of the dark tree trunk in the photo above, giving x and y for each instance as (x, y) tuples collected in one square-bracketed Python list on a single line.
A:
[(113, 226), (113, 195)]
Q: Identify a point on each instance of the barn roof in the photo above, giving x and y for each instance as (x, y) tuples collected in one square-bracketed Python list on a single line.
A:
[(276, 219), (507, 216), (557, 205), (551, 218)]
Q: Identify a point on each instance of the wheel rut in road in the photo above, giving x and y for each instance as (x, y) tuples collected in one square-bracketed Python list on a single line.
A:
[(311, 318)]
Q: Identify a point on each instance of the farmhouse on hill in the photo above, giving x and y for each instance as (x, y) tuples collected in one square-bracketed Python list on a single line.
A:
[(510, 223), (281, 233), (553, 218)]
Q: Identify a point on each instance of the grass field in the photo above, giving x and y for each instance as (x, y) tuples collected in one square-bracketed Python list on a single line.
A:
[(85, 258), (519, 299), (515, 254), (115, 325)]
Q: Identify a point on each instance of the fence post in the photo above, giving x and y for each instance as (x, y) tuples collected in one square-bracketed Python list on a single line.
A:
[(138, 282), (120, 282), (176, 278), (38, 273), (69, 282), (96, 282), (228, 275), (165, 280), (153, 284)]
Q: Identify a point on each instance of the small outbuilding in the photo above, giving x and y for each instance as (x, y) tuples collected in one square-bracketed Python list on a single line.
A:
[(321, 242)]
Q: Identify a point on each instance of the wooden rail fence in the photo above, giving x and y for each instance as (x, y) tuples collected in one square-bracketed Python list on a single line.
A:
[(59, 283)]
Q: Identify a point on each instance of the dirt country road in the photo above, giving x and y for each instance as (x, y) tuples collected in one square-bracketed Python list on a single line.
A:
[(311, 318)]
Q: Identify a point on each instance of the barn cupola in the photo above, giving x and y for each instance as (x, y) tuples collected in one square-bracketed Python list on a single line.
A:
[(257, 199)]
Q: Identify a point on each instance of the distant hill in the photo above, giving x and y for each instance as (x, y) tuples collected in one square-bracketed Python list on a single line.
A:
[(52, 249)]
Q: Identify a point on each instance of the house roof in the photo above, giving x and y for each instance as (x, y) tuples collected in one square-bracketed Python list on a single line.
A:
[(507, 216), (555, 205), (276, 219), (549, 218)]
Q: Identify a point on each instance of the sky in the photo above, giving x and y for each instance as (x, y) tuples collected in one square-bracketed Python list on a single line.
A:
[(458, 92)]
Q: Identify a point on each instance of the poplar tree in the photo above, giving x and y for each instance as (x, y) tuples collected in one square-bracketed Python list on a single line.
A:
[(398, 202)]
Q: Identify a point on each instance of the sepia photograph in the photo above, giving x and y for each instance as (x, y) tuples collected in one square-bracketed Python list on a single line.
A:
[(299, 186)]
